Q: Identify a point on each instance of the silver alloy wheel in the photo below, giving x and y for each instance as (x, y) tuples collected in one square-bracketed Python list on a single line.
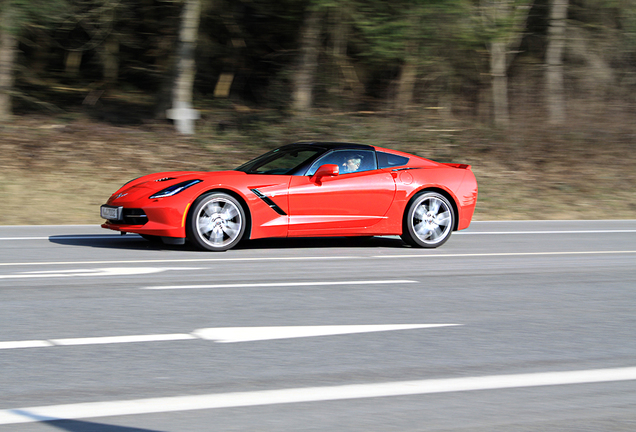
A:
[(429, 220), (218, 222)]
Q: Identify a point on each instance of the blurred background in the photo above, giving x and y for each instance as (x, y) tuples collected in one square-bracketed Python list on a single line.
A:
[(539, 96)]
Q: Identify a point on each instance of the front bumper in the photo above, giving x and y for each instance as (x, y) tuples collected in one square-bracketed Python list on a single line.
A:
[(155, 221)]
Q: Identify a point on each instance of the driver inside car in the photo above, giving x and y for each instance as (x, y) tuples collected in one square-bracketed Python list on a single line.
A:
[(352, 164)]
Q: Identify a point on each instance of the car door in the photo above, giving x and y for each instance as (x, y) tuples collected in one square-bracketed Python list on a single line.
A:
[(266, 186), (346, 203)]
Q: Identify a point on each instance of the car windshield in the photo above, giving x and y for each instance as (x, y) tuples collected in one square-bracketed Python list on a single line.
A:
[(288, 160)]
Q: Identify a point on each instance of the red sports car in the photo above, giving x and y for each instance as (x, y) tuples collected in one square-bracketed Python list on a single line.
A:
[(301, 190)]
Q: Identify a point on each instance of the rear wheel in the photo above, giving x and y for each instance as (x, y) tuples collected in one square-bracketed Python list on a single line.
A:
[(428, 221), (216, 222)]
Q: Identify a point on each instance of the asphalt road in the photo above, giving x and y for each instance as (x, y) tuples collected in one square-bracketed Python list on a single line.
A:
[(510, 326)]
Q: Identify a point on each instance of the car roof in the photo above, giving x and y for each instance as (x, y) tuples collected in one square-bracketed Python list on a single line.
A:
[(330, 145)]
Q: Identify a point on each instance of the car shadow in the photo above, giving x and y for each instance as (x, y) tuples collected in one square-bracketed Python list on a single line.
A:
[(134, 242), (110, 241), (79, 425), (322, 242)]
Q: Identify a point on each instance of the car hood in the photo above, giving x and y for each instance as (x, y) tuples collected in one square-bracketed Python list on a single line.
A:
[(145, 186)]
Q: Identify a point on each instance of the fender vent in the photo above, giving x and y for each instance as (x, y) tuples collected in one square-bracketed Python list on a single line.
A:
[(267, 200)]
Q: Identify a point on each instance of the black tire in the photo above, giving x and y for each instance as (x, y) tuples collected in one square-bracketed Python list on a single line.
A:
[(428, 221), (216, 222)]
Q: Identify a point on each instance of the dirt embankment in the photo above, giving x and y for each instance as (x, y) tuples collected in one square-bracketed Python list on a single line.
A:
[(55, 172)]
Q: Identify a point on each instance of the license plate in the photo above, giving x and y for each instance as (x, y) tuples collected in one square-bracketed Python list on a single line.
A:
[(110, 213)]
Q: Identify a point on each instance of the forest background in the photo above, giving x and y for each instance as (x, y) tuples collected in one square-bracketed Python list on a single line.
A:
[(539, 96)]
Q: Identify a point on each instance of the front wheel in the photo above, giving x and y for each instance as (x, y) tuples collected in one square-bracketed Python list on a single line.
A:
[(428, 221), (216, 222)]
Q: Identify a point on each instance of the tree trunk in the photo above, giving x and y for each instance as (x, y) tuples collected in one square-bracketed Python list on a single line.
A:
[(340, 36), (555, 92), (406, 85), (182, 112), (110, 59), (345, 73), (409, 69), (186, 66), (303, 81), (41, 54), (73, 62), (499, 72), (512, 16), (8, 50)]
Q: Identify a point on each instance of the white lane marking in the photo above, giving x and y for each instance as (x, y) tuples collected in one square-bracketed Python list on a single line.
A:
[(122, 339), (103, 340), (25, 344), (74, 237), (184, 260), (544, 232), (24, 238), (249, 334), (281, 284), (136, 237), (110, 271), (57, 226), (533, 221), (474, 222), (311, 394), (309, 258), (225, 334), (503, 254)]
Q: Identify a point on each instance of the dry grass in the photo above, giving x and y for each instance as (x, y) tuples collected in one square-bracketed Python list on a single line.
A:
[(59, 172)]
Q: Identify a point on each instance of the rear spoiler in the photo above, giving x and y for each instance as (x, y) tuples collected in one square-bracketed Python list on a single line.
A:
[(457, 165)]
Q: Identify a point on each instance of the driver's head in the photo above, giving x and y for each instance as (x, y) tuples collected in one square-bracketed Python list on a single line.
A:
[(353, 163)]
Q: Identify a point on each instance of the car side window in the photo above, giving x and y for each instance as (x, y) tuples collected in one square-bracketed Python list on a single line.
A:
[(348, 161), (388, 160), (281, 163)]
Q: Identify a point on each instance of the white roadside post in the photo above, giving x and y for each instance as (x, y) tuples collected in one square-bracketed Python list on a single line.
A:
[(184, 116)]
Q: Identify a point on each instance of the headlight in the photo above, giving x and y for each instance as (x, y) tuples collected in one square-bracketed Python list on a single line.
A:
[(175, 189)]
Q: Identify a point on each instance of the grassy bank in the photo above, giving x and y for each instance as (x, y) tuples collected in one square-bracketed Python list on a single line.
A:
[(57, 170)]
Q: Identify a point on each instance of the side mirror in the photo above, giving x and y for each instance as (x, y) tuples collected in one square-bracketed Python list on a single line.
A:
[(328, 170)]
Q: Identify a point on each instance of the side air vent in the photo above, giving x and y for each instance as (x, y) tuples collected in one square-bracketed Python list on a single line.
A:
[(267, 200), (165, 179)]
